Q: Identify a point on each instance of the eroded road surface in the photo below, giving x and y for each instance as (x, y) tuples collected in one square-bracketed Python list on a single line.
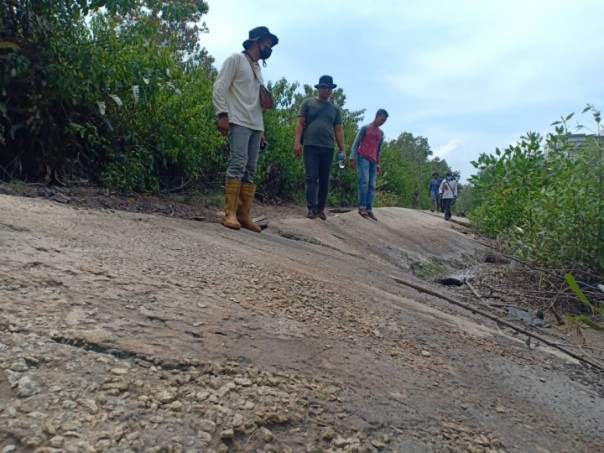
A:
[(128, 332)]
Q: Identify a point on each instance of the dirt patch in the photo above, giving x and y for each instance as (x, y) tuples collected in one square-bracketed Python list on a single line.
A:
[(144, 330), (196, 206)]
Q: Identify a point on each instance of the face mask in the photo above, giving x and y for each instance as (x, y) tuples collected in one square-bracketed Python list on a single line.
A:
[(265, 52)]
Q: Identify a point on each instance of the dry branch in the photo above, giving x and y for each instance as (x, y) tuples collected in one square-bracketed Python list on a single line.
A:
[(474, 291), (500, 321)]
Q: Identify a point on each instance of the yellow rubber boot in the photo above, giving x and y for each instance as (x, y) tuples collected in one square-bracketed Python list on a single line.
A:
[(231, 196), (244, 208)]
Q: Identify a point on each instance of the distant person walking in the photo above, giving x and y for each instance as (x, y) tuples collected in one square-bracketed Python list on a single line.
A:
[(365, 156), (237, 103), (448, 193), (435, 191), (319, 120)]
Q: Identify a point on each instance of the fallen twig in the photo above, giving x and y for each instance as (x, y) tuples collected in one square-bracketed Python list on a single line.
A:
[(535, 268), (457, 222), (467, 282), (559, 318), (250, 438), (500, 321), (582, 346), (492, 288), (594, 360)]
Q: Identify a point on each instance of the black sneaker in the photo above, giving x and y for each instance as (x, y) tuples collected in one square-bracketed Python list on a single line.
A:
[(321, 215), (311, 214)]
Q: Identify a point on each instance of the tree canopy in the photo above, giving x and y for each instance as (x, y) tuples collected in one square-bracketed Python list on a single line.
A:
[(119, 93)]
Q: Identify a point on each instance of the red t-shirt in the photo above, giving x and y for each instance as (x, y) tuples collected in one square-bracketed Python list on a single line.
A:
[(370, 143)]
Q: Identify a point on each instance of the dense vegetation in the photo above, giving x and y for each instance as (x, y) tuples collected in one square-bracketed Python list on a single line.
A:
[(546, 200), (118, 93)]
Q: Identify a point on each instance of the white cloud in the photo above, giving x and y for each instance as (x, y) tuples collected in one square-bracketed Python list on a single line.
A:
[(448, 148)]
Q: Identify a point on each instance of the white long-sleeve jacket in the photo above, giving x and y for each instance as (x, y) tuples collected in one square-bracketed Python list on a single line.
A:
[(236, 92)]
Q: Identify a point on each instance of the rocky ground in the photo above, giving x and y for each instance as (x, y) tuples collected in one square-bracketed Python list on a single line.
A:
[(141, 324)]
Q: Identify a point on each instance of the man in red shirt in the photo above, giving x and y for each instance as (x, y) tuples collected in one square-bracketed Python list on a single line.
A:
[(366, 149)]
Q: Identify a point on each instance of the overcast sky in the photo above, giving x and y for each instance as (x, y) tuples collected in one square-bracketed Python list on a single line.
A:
[(468, 75)]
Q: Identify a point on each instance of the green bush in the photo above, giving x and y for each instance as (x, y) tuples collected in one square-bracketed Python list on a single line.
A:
[(119, 92), (547, 202), (108, 95)]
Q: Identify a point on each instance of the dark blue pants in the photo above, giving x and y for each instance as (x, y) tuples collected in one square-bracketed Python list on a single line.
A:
[(447, 202), (317, 164)]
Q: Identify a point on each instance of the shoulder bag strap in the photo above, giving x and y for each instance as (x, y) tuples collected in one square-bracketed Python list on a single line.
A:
[(310, 119), (249, 60)]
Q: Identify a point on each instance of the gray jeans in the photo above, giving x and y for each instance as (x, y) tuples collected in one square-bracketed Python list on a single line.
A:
[(245, 147), (435, 201)]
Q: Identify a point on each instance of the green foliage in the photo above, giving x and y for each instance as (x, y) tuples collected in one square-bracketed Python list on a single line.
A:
[(119, 92), (108, 97), (586, 303), (547, 202), (131, 170), (44, 127), (280, 174), (466, 200), (395, 178), (408, 170), (155, 104)]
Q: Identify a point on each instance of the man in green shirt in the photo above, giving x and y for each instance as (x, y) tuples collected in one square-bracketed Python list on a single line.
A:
[(319, 121)]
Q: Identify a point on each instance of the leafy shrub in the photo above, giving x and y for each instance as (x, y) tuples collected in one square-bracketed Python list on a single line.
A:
[(547, 202), (120, 92), (77, 94), (46, 131)]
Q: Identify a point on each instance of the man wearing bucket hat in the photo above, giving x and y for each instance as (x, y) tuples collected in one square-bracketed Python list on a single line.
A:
[(319, 121), (237, 104)]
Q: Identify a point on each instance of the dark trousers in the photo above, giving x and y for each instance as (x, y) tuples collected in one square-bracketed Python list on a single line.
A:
[(317, 164), (447, 202)]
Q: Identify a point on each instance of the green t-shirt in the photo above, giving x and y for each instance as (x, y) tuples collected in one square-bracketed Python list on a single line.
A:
[(320, 132)]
